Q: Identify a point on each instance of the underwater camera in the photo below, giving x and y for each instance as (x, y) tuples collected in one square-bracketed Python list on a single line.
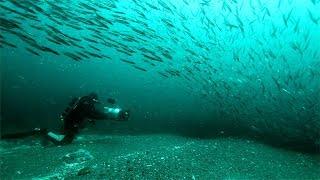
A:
[(117, 113)]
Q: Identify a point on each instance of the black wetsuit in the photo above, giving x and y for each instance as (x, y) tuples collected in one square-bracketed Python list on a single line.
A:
[(86, 107), (74, 117)]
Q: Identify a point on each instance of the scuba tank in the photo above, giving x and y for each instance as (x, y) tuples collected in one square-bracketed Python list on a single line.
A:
[(75, 102), (72, 105)]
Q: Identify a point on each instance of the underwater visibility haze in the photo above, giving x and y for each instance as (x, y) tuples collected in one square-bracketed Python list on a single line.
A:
[(216, 89)]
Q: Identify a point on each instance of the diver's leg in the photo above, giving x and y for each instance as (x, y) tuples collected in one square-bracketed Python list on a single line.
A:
[(36, 131), (68, 138)]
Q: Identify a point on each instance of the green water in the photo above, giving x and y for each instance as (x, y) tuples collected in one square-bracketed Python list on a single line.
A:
[(193, 68)]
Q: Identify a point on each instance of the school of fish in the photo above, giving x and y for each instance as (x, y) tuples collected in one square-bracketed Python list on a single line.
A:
[(246, 57)]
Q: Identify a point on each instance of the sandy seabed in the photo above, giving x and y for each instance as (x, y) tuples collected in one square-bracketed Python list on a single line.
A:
[(158, 156)]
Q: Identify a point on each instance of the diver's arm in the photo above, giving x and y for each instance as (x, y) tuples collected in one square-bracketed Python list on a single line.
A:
[(97, 113)]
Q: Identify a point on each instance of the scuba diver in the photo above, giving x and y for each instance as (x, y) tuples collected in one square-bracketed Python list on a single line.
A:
[(81, 109)]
